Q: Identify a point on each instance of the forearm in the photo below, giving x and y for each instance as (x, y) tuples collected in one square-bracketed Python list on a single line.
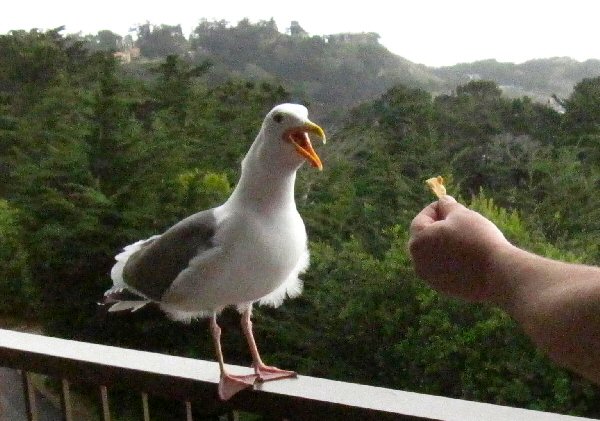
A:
[(557, 304)]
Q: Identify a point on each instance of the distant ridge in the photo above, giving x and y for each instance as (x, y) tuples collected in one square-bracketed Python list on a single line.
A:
[(339, 70)]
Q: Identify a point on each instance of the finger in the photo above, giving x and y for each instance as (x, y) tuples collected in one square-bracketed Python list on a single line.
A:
[(445, 205), (425, 218)]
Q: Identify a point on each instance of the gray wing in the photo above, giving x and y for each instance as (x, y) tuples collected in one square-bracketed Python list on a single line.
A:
[(153, 268)]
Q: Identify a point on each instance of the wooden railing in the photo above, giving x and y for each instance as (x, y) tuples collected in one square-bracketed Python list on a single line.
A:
[(193, 383)]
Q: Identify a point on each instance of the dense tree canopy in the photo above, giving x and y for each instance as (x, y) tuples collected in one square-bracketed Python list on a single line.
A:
[(93, 157)]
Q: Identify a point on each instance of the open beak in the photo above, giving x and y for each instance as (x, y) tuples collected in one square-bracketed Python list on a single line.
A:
[(299, 137)]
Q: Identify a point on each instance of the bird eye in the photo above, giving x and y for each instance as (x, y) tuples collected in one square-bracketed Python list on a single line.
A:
[(278, 117)]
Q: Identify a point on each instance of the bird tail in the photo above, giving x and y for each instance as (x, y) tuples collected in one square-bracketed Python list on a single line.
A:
[(121, 299)]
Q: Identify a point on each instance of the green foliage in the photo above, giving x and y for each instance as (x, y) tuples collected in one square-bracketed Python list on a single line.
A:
[(15, 280), (582, 109), (160, 41), (197, 190), (516, 231), (509, 222)]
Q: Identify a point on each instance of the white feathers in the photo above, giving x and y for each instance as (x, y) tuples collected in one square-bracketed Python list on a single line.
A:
[(292, 287), (132, 305), (179, 315)]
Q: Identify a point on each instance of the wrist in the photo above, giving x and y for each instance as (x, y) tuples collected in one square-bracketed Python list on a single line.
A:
[(505, 285)]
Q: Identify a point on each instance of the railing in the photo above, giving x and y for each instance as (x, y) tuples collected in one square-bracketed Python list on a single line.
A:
[(193, 382)]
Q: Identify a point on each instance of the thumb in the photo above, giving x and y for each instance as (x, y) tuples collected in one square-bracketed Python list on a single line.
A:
[(446, 204)]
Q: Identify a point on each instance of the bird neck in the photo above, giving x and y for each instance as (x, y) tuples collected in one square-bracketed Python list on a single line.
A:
[(265, 185)]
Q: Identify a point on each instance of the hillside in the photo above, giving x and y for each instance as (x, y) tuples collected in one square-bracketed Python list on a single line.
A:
[(538, 79), (338, 71)]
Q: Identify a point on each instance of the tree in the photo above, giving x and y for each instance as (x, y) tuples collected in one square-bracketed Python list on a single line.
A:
[(112, 128), (406, 112), (173, 89), (31, 62), (19, 299), (161, 41), (484, 90), (107, 41), (296, 30), (582, 108)]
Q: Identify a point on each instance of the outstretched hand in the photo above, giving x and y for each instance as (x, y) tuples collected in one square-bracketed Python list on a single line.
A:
[(452, 248)]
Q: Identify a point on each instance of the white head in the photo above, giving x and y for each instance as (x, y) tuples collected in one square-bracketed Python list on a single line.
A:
[(284, 136)]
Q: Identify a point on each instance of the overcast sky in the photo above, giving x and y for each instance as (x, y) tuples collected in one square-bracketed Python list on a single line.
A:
[(432, 32)]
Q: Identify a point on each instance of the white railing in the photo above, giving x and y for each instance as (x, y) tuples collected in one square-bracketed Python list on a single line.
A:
[(193, 383)]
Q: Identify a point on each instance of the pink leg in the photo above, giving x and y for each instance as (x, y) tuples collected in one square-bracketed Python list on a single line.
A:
[(229, 384), (264, 372)]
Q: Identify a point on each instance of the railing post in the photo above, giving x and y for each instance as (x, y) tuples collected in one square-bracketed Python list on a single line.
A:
[(29, 394), (145, 407), (65, 401), (105, 404), (188, 411)]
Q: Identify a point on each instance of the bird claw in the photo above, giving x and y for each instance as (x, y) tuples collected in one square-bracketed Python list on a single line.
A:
[(230, 384), (266, 373)]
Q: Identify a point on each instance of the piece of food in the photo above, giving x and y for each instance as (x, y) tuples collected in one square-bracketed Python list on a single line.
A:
[(436, 184)]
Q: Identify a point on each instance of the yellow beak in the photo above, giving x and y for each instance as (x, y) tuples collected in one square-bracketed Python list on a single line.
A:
[(298, 136)]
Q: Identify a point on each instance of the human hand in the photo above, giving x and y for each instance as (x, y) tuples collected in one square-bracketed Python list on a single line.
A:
[(452, 248)]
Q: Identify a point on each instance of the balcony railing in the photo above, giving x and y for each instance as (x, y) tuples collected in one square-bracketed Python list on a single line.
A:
[(193, 383)]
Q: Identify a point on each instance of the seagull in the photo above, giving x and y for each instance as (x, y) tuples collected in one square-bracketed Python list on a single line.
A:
[(251, 249)]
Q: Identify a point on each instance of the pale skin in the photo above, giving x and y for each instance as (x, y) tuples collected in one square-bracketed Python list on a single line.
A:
[(462, 254)]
